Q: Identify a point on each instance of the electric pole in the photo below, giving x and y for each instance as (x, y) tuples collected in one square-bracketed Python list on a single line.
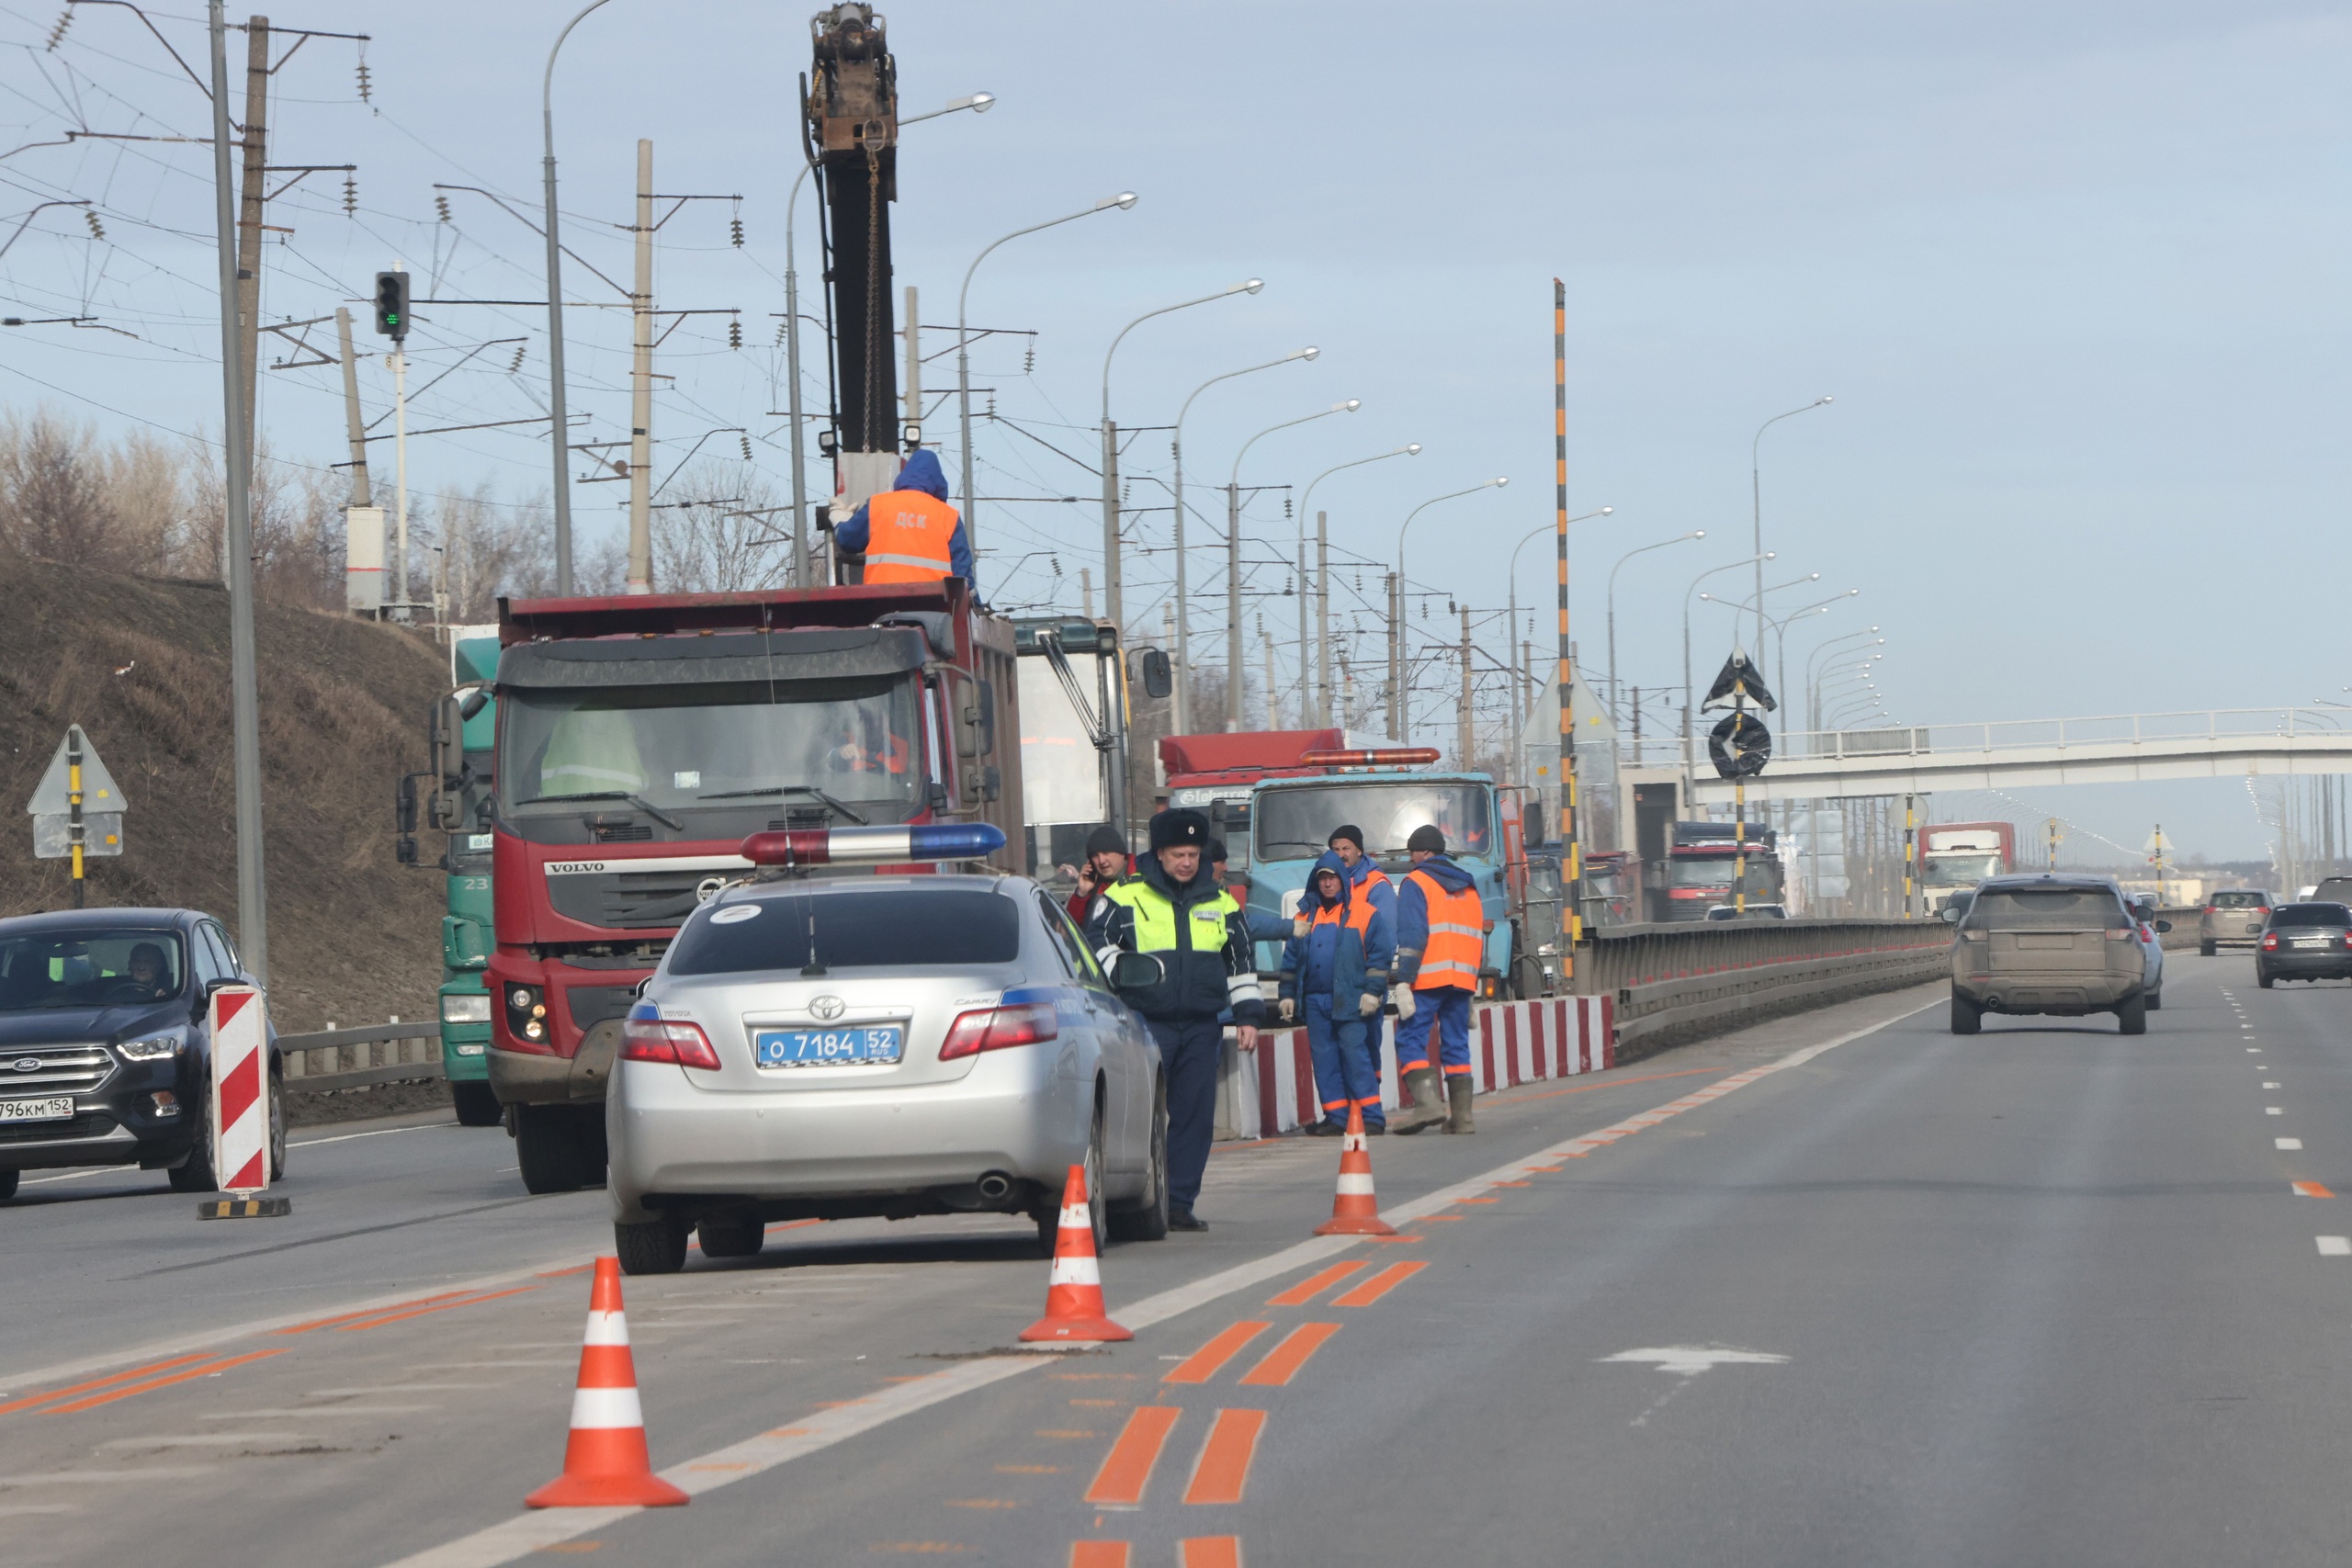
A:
[(640, 435), (1466, 738), (1322, 623), (249, 219)]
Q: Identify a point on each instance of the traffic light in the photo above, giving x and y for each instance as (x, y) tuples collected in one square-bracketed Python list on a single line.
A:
[(392, 305)]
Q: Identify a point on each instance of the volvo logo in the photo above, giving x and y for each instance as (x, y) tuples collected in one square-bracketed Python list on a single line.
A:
[(826, 1009), (708, 889), (32, 1064)]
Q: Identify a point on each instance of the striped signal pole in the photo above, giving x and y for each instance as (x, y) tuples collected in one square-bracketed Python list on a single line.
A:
[(1571, 856)]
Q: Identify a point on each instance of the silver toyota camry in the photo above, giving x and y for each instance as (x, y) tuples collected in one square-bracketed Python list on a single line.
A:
[(848, 1046)]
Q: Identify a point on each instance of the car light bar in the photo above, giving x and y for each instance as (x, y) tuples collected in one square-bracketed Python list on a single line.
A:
[(875, 846), (1391, 756)]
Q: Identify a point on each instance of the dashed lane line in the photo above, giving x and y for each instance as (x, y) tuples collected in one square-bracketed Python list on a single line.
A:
[(2334, 1246)]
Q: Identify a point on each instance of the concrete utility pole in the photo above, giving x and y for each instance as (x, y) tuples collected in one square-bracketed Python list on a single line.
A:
[(1322, 716), (1086, 591), (363, 546), (914, 380), (1395, 657), (256, 147), (1467, 739), (1233, 694), (399, 471), (253, 922), (641, 434), (1273, 706), (358, 430)]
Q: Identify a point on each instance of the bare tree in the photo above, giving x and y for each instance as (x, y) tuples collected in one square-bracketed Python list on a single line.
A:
[(52, 493), (722, 536)]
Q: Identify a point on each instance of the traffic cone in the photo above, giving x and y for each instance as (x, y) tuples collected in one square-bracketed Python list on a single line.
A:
[(1354, 1210), (1074, 1313), (604, 1463)]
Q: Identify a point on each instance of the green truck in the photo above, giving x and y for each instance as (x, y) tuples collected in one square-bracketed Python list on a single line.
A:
[(466, 938)]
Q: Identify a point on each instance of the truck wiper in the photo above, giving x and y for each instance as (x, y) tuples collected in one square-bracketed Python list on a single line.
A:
[(740, 794), (842, 806), (638, 801)]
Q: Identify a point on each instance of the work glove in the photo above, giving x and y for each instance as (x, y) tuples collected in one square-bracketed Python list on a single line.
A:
[(1369, 1005), (1403, 997), (1285, 1009), (1300, 925)]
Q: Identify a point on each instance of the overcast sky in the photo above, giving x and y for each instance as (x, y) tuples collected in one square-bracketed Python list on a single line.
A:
[(2071, 273)]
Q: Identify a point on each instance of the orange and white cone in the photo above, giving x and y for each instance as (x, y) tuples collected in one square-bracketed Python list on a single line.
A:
[(1354, 1210), (606, 1464), (1074, 1311)]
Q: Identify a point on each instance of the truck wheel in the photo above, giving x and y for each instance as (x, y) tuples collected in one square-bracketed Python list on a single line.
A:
[(657, 1246), (8, 1184), (476, 1105), (547, 1150), (2133, 1016), (1526, 978), (2205, 950), (731, 1239), (1967, 1018), (1149, 1223), (588, 1135)]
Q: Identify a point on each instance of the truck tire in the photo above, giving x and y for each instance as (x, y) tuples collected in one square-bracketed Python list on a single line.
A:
[(1967, 1018), (1149, 1221), (2132, 1016), (476, 1105), (589, 1134), (1526, 978), (547, 1150), (657, 1246)]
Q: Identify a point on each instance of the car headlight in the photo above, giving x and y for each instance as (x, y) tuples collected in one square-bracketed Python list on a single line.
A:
[(156, 1050), (464, 1008)]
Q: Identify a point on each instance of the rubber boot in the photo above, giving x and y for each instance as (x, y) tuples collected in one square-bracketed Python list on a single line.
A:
[(1422, 1107), (1458, 1092)]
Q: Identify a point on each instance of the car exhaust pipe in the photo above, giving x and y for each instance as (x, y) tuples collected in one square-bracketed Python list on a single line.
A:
[(996, 1187)]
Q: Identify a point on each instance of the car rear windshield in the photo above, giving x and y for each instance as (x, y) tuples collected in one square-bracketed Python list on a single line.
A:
[(2335, 915), (2239, 900), (2044, 908), (879, 929), (88, 968)]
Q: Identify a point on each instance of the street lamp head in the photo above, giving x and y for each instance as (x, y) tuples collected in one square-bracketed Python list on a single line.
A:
[(1771, 554), (1309, 351), (978, 103), (1123, 202), (1824, 398), (1608, 511), (1348, 407), (1413, 449), (1247, 285), (1500, 480), (1696, 533)]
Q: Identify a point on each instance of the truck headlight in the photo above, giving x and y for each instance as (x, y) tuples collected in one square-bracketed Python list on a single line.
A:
[(462, 1007), (160, 1048), (527, 1014)]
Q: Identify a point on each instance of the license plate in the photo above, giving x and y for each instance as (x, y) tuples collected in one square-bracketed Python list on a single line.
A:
[(856, 1046), (2314, 941), (61, 1109)]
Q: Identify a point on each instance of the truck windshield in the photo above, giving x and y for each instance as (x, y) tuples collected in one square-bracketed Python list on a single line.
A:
[(1701, 871), (1961, 869), (1295, 824), (679, 748)]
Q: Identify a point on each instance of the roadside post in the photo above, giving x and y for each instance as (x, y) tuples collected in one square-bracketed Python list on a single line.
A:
[(1739, 747), (76, 809), (239, 1121)]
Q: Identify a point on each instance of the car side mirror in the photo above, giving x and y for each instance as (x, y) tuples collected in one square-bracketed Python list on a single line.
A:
[(1158, 675), (1950, 916), (2163, 926), (1138, 971)]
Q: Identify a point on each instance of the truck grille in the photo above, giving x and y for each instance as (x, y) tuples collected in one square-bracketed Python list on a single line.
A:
[(63, 1069), (628, 900)]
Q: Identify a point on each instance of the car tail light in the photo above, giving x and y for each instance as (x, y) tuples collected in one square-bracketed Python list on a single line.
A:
[(2212, 908), (2147, 933), (666, 1040), (994, 1029), (2270, 942)]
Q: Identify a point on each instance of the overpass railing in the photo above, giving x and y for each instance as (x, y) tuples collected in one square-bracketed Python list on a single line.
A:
[(2103, 731)]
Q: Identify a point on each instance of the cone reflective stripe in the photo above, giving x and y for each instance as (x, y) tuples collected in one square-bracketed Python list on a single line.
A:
[(1074, 1310), (1354, 1210), (605, 1463)]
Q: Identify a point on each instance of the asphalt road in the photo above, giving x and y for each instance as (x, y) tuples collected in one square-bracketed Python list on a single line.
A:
[(1835, 1290)]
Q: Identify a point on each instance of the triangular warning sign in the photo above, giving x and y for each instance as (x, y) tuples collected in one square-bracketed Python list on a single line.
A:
[(1738, 679), (99, 792)]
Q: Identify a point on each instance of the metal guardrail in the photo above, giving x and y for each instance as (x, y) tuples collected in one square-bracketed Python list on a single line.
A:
[(372, 1054), (1673, 982), (1954, 741)]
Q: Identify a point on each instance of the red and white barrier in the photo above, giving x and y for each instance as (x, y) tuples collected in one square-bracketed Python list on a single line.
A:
[(240, 1090), (1510, 1044)]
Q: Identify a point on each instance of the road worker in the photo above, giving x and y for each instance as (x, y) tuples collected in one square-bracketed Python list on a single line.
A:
[(1335, 971), (1367, 881), (909, 533), (1172, 910), (1440, 942)]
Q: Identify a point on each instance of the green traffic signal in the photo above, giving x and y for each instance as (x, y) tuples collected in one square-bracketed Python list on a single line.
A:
[(392, 304)]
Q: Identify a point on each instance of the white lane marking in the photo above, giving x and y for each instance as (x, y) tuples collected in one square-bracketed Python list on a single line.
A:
[(458, 1366), (10, 1510), (2334, 1246), (210, 1441), (307, 1411), (526, 1533), (2274, 1110), (395, 1388), (2266, 1084), (107, 1477), (2254, 1050), (2287, 1143), (378, 1133), (1690, 1360)]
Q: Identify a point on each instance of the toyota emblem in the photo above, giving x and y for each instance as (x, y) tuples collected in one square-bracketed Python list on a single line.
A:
[(32, 1064), (708, 889), (827, 1009)]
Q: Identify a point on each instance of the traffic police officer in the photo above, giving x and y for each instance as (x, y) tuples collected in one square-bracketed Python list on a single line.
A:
[(1440, 941), (1173, 909)]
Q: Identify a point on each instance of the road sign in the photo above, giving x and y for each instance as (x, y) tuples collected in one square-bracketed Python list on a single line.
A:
[(55, 798), (239, 1121), (1738, 681), (1739, 746), (53, 834)]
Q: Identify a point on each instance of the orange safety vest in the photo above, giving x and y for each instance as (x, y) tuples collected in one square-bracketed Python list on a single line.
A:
[(1358, 916), (1457, 940), (906, 537)]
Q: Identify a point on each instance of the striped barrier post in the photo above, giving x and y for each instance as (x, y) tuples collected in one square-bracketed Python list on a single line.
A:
[(238, 1120)]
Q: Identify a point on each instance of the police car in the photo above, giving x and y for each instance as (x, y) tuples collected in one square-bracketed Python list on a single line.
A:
[(836, 1047)]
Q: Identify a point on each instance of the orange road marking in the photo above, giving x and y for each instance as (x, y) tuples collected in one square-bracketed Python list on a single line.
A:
[(1210, 1359), (200, 1372), (397, 1306), (2312, 1190), (1098, 1554), (366, 1322), (1126, 1469), (788, 1432), (1224, 1467), (1435, 1219), (1307, 1290), (1281, 1362), (550, 1274), (1212, 1551), (1380, 1284), (1396, 1240), (1477, 1199), (1540, 1167), (148, 1370)]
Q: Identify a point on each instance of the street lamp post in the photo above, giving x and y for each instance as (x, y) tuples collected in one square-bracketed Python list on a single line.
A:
[(1629, 555), (1233, 704), (1812, 715), (1121, 202), (1315, 709), (1397, 606), (1510, 638), (1755, 497), (559, 427), (1113, 588), (1183, 715)]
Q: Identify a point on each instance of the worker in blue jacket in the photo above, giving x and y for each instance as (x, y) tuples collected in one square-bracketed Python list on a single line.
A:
[(1441, 946), (1335, 969), (913, 509)]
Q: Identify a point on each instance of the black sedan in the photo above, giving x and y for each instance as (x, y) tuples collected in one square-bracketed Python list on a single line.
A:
[(2305, 941), (104, 1056)]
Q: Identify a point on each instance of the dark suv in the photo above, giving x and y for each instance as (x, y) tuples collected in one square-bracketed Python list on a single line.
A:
[(105, 1057), (2305, 941)]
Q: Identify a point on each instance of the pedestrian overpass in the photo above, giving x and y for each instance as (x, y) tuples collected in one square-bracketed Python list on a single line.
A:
[(2113, 748)]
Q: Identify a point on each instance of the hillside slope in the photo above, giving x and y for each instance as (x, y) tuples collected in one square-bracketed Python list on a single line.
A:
[(353, 936)]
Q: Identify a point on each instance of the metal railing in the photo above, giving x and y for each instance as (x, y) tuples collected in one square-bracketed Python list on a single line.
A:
[(352, 1058), (1674, 982), (1947, 741)]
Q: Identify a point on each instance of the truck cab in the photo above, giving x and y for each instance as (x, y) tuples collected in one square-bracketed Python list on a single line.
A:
[(466, 931), (1705, 869)]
